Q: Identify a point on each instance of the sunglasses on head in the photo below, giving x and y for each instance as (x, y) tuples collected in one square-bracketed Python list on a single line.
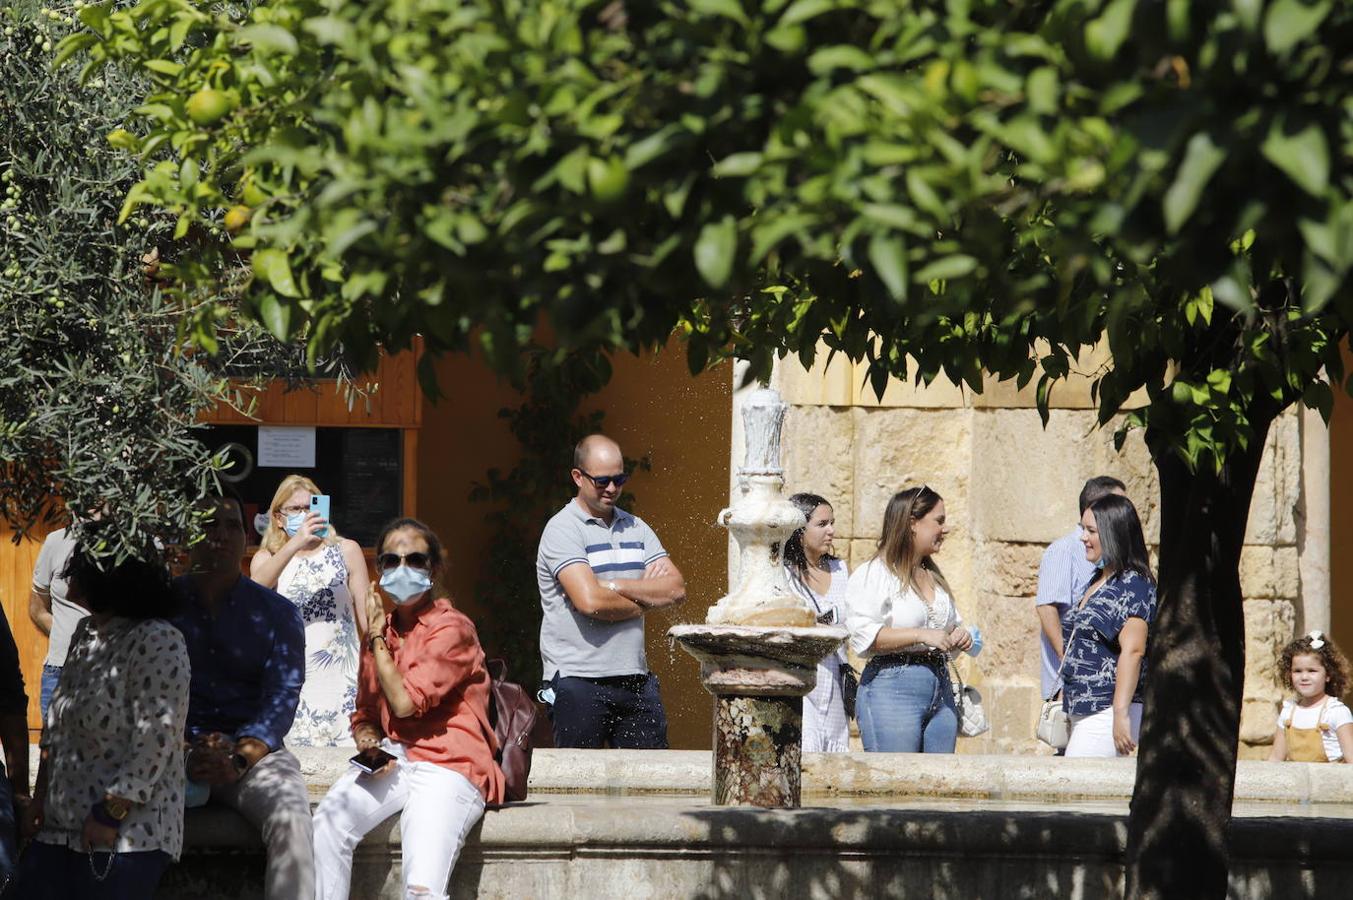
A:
[(387, 561), (604, 481)]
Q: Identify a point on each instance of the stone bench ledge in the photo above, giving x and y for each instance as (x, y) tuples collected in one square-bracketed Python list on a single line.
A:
[(892, 776)]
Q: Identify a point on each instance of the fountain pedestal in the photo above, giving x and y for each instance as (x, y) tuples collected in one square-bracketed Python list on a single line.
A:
[(758, 677), (760, 646)]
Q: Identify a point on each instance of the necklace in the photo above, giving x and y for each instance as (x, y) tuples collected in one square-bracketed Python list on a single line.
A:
[(107, 869)]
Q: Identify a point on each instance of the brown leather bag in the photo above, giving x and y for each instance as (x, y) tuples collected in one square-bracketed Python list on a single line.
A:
[(514, 718)]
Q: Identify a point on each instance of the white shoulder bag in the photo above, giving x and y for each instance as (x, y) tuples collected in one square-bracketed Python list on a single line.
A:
[(1054, 725)]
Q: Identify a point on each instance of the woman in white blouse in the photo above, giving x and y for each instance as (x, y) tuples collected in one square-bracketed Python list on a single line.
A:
[(107, 813), (820, 578), (902, 618)]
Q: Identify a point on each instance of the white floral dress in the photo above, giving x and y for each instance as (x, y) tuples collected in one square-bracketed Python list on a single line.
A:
[(318, 585)]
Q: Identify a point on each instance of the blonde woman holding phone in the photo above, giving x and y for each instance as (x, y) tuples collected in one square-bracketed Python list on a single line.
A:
[(304, 559)]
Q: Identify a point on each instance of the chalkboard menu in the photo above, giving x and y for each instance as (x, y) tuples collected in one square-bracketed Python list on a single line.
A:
[(361, 469)]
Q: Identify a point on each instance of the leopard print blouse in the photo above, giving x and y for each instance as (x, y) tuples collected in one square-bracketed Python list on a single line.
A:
[(115, 726)]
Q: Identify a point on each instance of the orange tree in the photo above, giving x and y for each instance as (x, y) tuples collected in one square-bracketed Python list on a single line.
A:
[(935, 187)]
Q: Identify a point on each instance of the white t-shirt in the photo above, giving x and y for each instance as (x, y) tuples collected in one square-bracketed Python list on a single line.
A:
[(875, 600), (1335, 715)]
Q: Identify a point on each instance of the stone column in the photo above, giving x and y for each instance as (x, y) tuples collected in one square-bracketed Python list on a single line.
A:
[(757, 751), (759, 677)]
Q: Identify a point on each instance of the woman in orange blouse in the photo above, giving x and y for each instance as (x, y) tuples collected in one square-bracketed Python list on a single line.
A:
[(423, 698)]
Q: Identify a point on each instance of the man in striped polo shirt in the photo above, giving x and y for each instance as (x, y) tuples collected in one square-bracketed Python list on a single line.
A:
[(600, 569), (1063, 576)]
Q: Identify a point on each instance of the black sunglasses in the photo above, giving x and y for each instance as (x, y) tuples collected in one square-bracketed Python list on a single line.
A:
[(387, 561), (604, 481)]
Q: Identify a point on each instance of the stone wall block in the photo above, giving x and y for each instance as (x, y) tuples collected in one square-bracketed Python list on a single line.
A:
[(1026, 479), (1269, 625), (861, 551), (1277, 489), (817, 455), (823, 384), (1008, 569), (900, 448), (1269, 572), (1011, 650)]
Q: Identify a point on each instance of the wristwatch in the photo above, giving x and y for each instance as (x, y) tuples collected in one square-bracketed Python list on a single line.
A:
[(240, 763), (371, 642)]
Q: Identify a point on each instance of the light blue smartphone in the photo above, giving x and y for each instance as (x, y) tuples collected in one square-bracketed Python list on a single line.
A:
[(319, 505)]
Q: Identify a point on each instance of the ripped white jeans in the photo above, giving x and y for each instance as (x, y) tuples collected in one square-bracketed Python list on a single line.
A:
[(439, 805)]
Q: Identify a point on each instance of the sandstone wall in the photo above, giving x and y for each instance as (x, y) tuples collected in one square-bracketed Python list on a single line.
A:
[(1010, 487)]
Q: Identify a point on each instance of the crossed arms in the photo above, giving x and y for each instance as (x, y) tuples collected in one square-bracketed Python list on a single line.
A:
[(660, 586)]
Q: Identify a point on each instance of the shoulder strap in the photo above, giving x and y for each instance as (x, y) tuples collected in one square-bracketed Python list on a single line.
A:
[(1065, 647)]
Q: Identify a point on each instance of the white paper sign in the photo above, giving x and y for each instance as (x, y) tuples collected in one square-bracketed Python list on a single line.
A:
[(286, 447)]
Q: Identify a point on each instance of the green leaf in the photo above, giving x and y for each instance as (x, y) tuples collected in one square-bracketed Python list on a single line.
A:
[(730, 9), (1042, 89), (714, 251), (1202, 158), (272, 265), (888, 255), (164, 67), (841, 56), (72, 45), (955, 266), (803, 10), (1303, 156), (268, 38), (275, 315), (330, 30), (738, 165), (1289, 22), (1106, 34)]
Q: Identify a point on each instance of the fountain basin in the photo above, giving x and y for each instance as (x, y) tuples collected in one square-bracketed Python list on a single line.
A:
[(638, 824), (758, 661)]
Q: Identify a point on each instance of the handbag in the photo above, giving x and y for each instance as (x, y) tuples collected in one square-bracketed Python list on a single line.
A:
[(972, 715), (850, 688), (515, 722), (1054, 725)]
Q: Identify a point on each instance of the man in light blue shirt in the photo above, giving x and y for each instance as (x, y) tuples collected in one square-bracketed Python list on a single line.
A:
[(1062, 578)]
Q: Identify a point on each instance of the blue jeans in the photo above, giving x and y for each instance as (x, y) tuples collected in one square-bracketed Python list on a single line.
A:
[(623, 711), (50, 676), (52, 872), (906, 708)]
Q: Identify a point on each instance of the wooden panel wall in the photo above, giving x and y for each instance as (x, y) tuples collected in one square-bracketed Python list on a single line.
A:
[(16, 579), (396, 401)]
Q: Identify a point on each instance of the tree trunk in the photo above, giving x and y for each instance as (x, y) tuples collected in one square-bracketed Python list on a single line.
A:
[(1181, 807)]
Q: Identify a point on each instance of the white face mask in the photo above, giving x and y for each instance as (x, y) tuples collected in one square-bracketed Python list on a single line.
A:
[(405, 585)]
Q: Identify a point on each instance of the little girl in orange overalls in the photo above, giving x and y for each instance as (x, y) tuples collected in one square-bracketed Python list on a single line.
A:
[(1315, 726)]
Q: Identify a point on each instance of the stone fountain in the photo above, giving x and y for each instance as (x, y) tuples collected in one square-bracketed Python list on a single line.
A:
[(760, 645)]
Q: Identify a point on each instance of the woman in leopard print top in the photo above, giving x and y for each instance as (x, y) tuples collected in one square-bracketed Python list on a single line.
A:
[(107, 814)]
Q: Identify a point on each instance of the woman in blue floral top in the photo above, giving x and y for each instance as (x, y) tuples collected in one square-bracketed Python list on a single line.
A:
[(1105, 634)]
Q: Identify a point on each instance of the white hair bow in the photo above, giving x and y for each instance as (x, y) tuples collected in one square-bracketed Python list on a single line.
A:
[(1317, 639)]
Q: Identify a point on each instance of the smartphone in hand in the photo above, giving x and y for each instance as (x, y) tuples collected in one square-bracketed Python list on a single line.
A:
[(372, 761), (319, 505)]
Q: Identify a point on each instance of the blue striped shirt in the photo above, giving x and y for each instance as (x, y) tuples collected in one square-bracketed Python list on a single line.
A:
[(1063, 576), (571, 643)]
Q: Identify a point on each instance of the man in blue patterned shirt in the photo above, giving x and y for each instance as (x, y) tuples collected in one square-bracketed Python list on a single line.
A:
[(246, 645)]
